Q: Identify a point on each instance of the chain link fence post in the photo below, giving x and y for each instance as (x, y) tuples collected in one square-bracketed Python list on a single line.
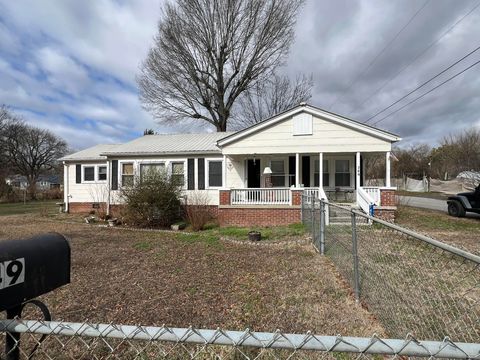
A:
[(322, 227), (356, 273), (312, 217)]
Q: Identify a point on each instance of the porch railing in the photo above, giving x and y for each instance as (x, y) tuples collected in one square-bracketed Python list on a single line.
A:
[(364, 200), (260, 196), (314, 192), (374, 193)]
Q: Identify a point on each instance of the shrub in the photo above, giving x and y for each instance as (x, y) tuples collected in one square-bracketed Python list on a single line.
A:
[(152, 201), (197, 211)]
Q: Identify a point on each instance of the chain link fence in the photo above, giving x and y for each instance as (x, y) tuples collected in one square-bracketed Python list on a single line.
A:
[(65, 340), (409, 282)]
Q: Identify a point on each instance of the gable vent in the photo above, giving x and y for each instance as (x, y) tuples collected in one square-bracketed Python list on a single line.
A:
[(303, 124)]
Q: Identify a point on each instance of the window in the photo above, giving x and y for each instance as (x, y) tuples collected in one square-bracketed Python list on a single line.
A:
[(326, 175), (102, 173), (89, 173), (127, 174), (153, 168), (278, 173), (342, 172), (214, 173), (178, 176)]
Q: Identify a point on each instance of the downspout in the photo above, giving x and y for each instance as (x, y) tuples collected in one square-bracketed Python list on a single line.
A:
[(108, 187), (65, 186)]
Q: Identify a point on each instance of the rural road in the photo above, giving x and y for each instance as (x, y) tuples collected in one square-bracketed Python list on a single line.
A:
[(427, 203)]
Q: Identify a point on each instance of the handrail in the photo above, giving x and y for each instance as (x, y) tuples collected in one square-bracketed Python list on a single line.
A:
[(364, 200)]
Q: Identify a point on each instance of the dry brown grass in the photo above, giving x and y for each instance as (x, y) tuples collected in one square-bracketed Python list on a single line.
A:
[(156, 278)]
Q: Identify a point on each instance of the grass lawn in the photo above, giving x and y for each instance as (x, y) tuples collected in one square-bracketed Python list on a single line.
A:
[(31, 207), (155, 278), (460, 232)]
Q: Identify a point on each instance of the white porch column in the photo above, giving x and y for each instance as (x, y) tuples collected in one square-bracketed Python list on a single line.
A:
[(109, 183), (387, 169), (320, 170), (297, 170), (224, 171), (357, 171), (66, 183)]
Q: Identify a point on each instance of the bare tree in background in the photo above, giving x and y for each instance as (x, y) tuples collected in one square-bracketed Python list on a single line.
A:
[(31, 151), (208, 52), (271, 97)]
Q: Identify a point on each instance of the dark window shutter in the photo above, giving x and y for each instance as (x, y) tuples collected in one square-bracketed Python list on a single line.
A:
[(201, 174), (114, 174), (78, 174), (191, 174)]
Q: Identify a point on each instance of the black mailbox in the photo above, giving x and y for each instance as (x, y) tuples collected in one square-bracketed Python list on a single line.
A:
[(32, 267)]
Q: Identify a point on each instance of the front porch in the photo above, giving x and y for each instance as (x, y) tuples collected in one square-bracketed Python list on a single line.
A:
[(270, 179)]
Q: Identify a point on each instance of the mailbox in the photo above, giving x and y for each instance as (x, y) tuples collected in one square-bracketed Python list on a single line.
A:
[(32, 267)]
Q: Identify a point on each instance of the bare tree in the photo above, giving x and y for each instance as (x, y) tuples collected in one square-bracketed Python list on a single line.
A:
[(208, 52), (30, 151), (266, 99)]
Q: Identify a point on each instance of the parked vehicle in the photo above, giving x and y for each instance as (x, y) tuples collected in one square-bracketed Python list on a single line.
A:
[(460, 204)]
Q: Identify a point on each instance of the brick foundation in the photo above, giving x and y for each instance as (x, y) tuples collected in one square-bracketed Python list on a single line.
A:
[(81, 207), (258, 216), (387, 197), (386, 213)]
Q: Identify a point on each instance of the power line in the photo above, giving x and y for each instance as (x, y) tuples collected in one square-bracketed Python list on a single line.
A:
[(423, 84), (422, 53), (428, 92), (380, 53)]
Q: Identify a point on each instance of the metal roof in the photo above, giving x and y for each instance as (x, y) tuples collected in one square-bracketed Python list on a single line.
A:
[(169, 144), (92, 153)]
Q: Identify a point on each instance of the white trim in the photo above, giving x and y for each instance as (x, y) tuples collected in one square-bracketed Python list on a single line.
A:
[(98, 173), (320, 170), (170, 170), (387, 169), (120, 172), (297, 170), (313, 111)]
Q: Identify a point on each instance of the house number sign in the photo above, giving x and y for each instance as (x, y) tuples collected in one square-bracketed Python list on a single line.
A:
[(12, 272)]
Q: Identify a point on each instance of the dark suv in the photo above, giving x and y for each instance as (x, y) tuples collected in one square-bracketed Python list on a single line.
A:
[(465, 202)]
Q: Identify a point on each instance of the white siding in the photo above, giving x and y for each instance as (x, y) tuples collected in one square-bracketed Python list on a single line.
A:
[(85, 192), (302, 124), (327, 137)]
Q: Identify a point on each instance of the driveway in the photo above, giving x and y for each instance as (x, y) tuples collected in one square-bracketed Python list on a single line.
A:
[(428, 203)]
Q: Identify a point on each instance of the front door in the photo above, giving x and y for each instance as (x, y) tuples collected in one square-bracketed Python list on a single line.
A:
[(253, 173), (306, 171)]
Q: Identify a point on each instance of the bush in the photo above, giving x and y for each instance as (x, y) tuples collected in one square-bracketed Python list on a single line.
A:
[(152, 201), (197, 213)]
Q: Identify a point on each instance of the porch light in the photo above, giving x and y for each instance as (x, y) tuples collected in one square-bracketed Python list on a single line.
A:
[(267, 171)]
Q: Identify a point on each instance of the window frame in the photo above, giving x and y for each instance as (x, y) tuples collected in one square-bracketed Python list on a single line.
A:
[(98, 173), (120, 172), (349, 173), (83, 173), (170, 170), (326, 171), (207, 173), (284, 171), (159, 162)]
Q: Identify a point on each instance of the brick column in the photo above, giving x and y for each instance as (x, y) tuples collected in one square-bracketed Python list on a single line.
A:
[(296, 196), (387, 197), (224, 197)]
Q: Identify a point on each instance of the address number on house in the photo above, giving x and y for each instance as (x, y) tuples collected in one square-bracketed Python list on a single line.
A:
[(12, 272)]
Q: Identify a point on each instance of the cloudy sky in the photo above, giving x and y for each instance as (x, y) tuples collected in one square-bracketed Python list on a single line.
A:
[(70, 65)]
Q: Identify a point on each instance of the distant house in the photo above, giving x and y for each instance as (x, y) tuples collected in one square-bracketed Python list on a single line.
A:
[(44, 182), (253, 176)]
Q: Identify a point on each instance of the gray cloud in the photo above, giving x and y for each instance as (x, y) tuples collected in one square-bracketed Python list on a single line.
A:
[(70, 66)]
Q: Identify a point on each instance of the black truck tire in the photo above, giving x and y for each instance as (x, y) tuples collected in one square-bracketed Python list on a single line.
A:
[(455, 208)]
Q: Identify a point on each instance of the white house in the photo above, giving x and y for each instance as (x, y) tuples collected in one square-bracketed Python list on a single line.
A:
[(253, 176)]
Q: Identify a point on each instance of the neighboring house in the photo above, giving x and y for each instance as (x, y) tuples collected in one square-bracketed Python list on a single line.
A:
[(44, 182), (255, 176)]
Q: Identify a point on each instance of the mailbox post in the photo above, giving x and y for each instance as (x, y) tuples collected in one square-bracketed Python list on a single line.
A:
[(30, 268)]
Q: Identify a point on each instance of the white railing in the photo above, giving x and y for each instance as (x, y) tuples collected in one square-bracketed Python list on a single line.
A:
[(315, 192), (364, 200), (374, 193), (260, 196)]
